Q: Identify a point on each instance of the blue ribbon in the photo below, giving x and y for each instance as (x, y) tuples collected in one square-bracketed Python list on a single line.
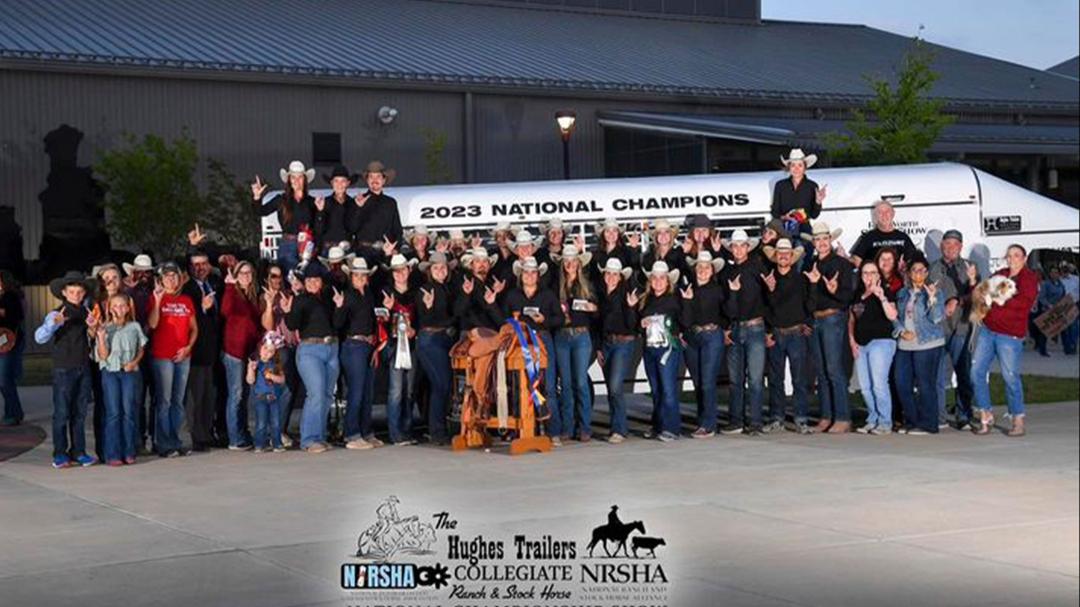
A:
[(532, 366)]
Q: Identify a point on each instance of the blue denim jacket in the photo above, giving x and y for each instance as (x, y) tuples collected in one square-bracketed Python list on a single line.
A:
[(928, 320)]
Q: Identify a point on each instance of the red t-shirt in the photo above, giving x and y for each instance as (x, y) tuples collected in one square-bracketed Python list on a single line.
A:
[(174, 326)]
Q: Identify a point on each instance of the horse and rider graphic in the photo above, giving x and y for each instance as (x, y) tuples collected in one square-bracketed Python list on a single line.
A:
[(392, 534), (617, 532)]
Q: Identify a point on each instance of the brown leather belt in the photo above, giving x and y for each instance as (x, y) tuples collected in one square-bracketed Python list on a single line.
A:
[(574, 330), (797, 329), (433, 330), (753, 322), (819, 314), (319, 340), (703, 328), (288, 236), (619, 339), (367, 339)]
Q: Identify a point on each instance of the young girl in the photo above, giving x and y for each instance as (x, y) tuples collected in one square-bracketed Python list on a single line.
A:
[(266, 376), (120, 347)]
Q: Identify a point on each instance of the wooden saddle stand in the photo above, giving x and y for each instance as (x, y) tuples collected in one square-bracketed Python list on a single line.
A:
[(496, 392)]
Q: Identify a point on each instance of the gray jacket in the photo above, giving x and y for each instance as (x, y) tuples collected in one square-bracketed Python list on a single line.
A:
[(947, 289)]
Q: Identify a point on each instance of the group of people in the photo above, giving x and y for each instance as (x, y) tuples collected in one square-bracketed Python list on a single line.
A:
[(352, 297)]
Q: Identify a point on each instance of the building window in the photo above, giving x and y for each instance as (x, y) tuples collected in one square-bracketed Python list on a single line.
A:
[(326, 148)]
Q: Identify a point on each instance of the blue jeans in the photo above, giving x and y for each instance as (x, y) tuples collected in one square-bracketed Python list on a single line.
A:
[(704, 354), (288, 254), (664, 380), (573, 355), (1069, 337), (236, 420), (267, 421), (120, 389), (919, 370), (1008, 350), (828, 342), (170, 383), (618, 357), (356, 364), (556, 426), (746, 368), (872, 366), (957, 356), (318, 366), (292, 379), (71, 399), (399, 393), (792, 349), (433, 352), (10, 370)]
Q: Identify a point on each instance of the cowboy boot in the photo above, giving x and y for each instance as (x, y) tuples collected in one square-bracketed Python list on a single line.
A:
[(823, 425), (1017, 426)]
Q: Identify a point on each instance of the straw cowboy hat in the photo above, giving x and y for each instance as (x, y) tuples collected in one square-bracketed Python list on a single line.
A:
[(475, 254), (820, 228), (503, 226), (57, 285), (297, 168), (457, 234), (554, 223), (360, 265), (336, 254), (783, 246), (420, 230), (797, 155), (662, 225), (376, 166), (529, 265), (706, 257), (570, 252), (399, 261), (341, 170), (97, 270), (143, 263), (436, 258), (614, 266), (740, 236), (524, 238), (608, 224), (661, 267)]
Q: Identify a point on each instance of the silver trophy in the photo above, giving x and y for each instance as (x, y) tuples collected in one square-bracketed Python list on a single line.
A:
[(402, 356)]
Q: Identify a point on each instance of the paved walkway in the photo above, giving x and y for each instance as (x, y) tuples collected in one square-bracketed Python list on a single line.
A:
[(780, 520)]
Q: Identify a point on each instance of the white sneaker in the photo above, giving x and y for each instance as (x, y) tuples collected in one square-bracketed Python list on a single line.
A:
[(556, 441), (374, 441), (286, 440), (616, 438), (867, 429), (359, 444)]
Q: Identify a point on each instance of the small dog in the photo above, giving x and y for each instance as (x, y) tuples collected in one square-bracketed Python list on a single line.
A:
[(647, 543), (994, 290)]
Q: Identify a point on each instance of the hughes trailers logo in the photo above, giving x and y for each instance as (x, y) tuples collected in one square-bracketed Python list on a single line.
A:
[(392, 535)]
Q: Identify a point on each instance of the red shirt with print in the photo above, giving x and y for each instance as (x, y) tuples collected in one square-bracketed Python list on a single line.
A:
[(174, 326)]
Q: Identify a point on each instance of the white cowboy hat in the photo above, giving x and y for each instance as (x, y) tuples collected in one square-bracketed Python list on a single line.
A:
[(820, 228), (783, 245), (143, 263), (524, 238), (529, 265), (555, 223), (662, 225), (798, 155), (740, 236), (420, 230), (606, 225), (614, 266), (706, 257), (438, 257), (571, 252), (360, 265), (95, 272), (336, 254), (297, 168), (661, 267), (399, 261), (457, 234), (503, 226), (475, 254)]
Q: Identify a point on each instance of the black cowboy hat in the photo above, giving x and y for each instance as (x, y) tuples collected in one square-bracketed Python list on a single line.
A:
[(341, 170), (698, 221), (314, 269), (57, 285)]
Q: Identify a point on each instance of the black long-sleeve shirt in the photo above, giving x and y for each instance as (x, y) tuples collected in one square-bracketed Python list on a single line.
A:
[(472, 310), (441, 313), (834, 265), (301, 213), (357, 316), (667, 305), (748, 302), (312, 316), (578, 318), (377, 219), (544, 299), (792, 302), (616, 316), (706, 307), (207, 347), (675, 258), (787, 198), (332, 223)]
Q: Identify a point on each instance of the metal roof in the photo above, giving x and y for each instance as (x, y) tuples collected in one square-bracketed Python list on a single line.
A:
[(1069, 67), (966, 137), (423, 41)]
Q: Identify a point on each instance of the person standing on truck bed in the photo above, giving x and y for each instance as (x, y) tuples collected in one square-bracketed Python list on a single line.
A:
[(797, 199), (335, 214), (376, 226), (295, 209)]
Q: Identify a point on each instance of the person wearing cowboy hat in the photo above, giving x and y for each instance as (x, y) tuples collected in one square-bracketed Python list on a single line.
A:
[(378, 219), (399, 297), (664, 248), (502, 253), (745, 306), (789, 301), (458, 244), (797, 199), (610, 243), (885, 234), (700, 236), (619, 325), (312, 314), (334, 214), (661, 320), (66, 327), (295, 209), (573, 342), (554, 236), (834, 288), (436, 321), (357, 317), (476, 293), (418, 242), (537, 306), (525, 245), (337, 260), (703, 314)]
